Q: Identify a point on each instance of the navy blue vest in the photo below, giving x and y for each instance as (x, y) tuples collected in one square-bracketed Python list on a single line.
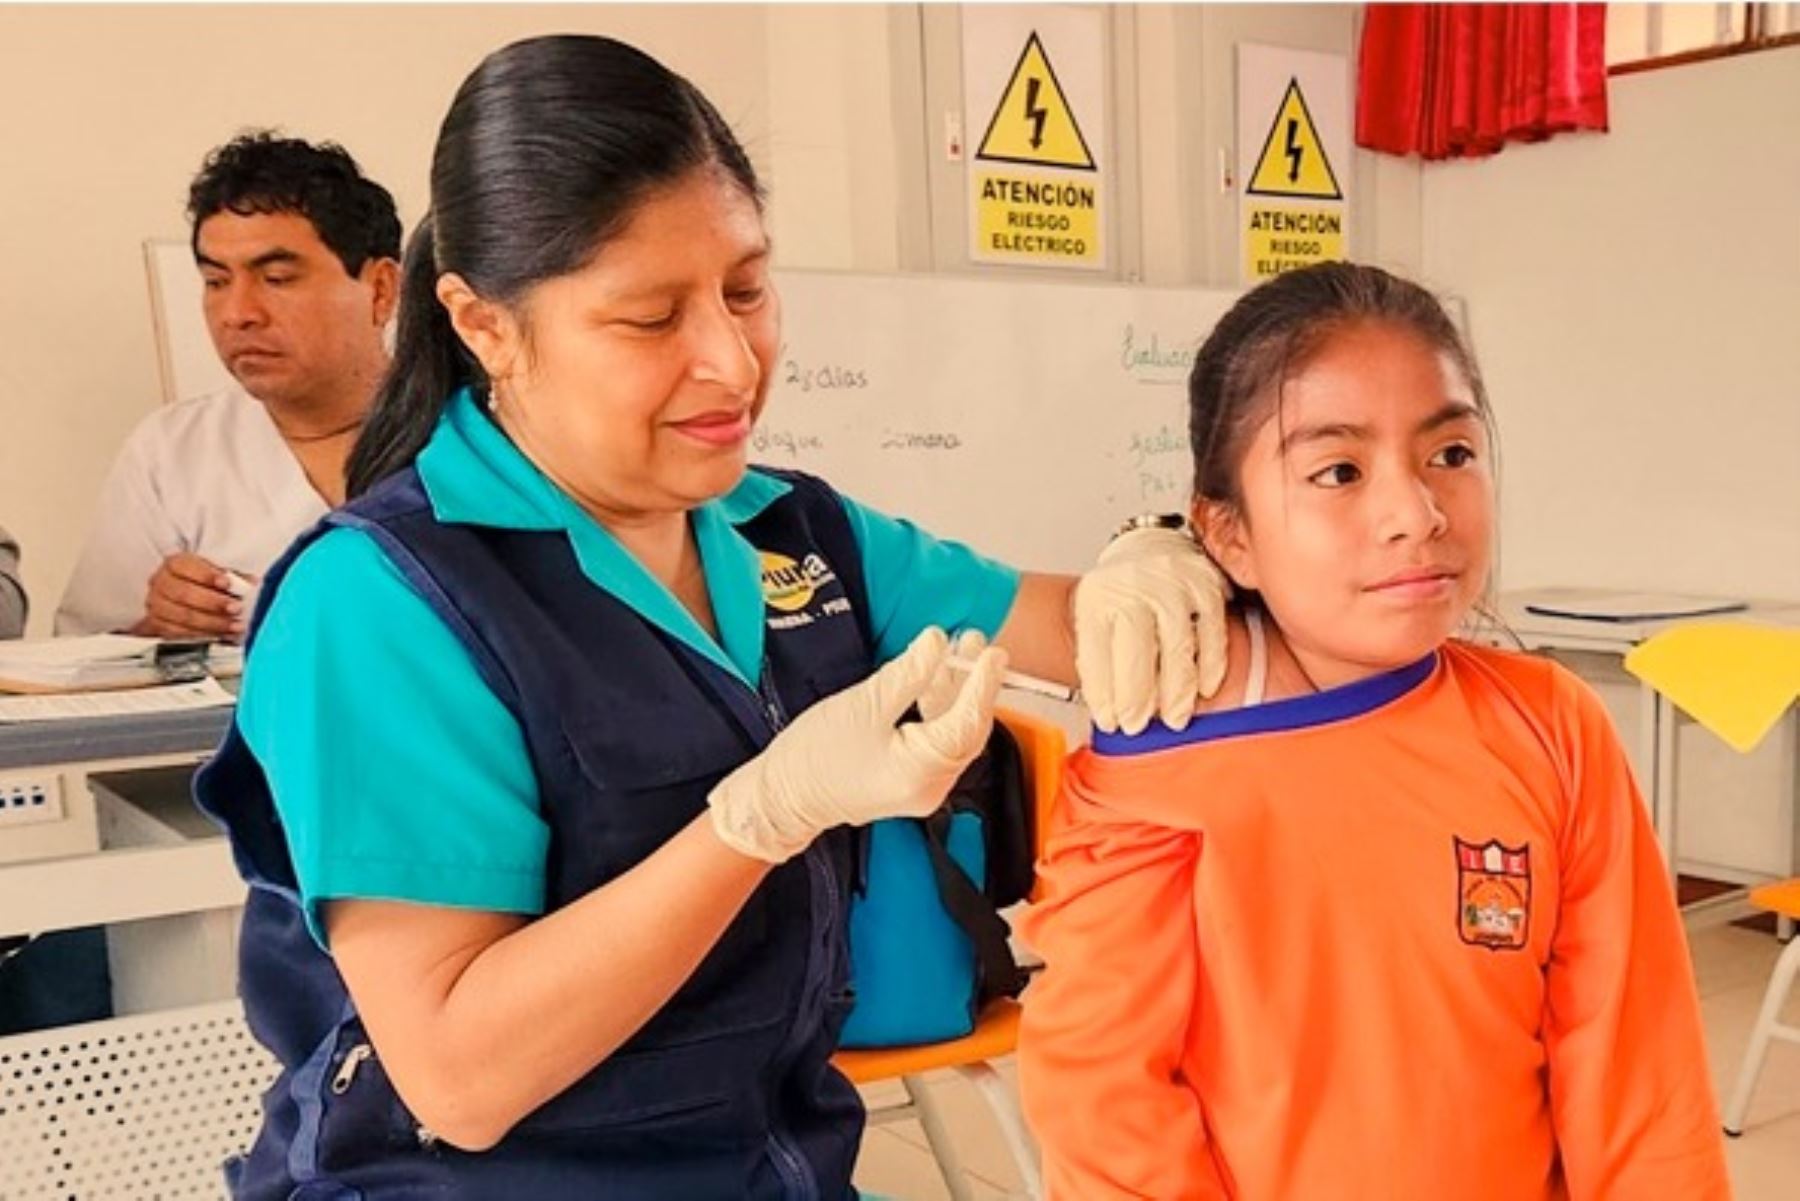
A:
[(727, 1093)]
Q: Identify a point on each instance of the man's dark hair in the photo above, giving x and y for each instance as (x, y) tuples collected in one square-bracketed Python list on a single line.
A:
[(259, 172)]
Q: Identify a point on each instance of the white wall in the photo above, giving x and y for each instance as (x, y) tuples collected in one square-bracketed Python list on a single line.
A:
[(1635, 298)]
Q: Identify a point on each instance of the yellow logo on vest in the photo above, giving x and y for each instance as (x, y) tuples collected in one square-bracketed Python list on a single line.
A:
[(1293, 161), (1033, 123), (788, 586)]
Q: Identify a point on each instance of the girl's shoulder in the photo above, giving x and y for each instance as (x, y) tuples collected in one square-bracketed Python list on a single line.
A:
[(1537, 682), (1234, 688), (1563, 710), (1253, 676)]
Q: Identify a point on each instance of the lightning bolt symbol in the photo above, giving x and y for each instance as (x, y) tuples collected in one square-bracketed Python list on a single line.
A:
[(1033, 112), (1293, 150)]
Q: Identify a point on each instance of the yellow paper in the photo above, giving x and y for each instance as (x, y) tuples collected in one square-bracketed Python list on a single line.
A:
[(1734, 678)]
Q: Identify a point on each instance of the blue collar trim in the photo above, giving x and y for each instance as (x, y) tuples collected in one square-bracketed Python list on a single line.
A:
[(1292, 713)]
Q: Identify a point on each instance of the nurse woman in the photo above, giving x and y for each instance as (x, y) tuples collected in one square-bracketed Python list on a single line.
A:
[(549, 814)]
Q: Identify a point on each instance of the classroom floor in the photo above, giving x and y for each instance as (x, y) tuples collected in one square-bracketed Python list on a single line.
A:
[(1731, 964)]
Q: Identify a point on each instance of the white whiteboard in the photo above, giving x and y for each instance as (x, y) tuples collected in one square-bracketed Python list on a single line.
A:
[(1025, 418), (185, 359)]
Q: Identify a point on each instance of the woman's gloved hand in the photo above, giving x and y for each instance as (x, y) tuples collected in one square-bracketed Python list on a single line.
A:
[(1149, 630), (845, 762), (946, 685)]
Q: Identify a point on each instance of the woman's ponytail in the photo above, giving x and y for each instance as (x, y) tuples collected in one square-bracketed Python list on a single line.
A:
[(429, 365)]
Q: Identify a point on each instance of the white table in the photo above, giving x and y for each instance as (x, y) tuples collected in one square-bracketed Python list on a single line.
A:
[(1656, 756), (148, 865), (96, 886)]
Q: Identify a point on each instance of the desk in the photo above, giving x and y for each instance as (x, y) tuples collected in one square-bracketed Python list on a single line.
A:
[(1656, 745), (182, 1079), (97, 886)]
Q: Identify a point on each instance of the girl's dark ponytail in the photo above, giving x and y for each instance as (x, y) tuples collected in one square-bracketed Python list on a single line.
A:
[(429, 365)]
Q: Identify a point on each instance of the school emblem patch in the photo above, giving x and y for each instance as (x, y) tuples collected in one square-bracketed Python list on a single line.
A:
[(1493, 889)]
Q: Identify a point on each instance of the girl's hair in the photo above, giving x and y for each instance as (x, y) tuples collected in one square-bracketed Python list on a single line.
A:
[(547, 149), (1272, 332)]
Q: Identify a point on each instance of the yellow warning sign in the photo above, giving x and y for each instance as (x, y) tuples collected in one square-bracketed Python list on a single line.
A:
[(1023, 217), (1033, 123), (1279, 238), (1293, 162)]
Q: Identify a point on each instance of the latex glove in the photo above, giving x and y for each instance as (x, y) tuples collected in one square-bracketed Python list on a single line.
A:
[(1149, 630), (946, 684), (844, 762)]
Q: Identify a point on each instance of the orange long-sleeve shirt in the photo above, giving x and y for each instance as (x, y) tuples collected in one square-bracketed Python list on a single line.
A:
[(1406, 940)]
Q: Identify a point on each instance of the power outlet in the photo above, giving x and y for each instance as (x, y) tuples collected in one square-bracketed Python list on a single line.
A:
[(26, 799)]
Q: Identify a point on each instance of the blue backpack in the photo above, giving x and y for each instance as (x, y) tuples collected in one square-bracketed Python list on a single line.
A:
[(928, 947)]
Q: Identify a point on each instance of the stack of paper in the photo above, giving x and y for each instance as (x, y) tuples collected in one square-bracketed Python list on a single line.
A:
[(76, 706), (97, 662)]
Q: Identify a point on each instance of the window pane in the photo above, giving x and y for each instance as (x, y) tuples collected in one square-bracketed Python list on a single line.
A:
[(1625, 33), (1697, 26), (1779, 19)]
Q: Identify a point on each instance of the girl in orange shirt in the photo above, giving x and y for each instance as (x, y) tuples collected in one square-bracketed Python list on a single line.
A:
[(1395, 927)]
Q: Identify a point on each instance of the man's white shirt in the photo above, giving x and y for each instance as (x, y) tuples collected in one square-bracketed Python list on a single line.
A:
[(209, 476)]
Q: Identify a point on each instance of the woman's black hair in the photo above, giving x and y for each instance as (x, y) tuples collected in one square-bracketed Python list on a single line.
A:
[(546, 150), (1272, 332)]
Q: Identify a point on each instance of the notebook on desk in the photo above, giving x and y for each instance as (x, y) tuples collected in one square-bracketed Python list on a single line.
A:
[(1636, 606), (98, 662)]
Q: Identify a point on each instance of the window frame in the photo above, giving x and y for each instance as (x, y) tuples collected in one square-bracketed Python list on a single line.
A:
[(1754, 39)]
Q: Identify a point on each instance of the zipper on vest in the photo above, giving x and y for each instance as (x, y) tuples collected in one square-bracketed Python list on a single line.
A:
[(353, 1059), (820, 885), (783, 1152), (771, 700)]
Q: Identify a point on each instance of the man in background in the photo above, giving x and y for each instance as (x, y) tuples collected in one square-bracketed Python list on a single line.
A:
[(299, 256), (13, 605)]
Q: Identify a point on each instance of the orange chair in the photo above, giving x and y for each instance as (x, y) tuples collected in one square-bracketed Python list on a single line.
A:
[(1042, 747), (1783, 900)]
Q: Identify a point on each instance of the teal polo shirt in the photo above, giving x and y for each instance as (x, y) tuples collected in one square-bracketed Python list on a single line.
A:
[(399, 775)]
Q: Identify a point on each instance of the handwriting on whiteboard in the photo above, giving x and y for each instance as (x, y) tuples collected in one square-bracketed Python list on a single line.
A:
[(1165, 469), (831, 377), (1164, 440), (1149, 359), (892, 439), (773, 439)]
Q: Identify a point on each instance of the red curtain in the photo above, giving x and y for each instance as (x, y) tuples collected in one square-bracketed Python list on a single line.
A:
[(1461, 80)]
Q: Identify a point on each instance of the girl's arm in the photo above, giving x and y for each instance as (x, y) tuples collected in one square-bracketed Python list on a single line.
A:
[(1630, 1093), (1105, 1025)]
